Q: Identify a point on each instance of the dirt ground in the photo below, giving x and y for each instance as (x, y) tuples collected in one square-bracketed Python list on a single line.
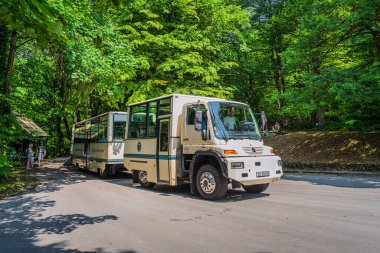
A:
[(327, 147)]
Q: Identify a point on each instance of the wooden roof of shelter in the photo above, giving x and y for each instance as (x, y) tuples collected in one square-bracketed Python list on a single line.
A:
[(30, 127)]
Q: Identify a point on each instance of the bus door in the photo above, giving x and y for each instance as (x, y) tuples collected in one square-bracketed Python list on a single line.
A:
[(163, 147), (86, 150)]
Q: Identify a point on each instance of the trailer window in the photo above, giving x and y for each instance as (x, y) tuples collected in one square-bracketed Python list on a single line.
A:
[(94, 129), (79, 133), (119, 121), (137, 123), (102, 137)]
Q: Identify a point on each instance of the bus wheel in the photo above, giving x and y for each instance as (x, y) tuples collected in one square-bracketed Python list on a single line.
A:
[(105, 173), (211, 184), (255, 188), (143, 179)]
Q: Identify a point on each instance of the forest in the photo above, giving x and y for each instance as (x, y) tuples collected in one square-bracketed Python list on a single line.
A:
[(306, 63)]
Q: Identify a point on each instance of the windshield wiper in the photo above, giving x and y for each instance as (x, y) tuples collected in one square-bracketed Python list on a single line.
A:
[(254, 138)]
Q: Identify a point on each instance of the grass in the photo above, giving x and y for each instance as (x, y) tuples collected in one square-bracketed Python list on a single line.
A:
[(20, 181)]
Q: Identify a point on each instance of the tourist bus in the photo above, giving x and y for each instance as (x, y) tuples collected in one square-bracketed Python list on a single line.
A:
[(97, 143), (207, 142)]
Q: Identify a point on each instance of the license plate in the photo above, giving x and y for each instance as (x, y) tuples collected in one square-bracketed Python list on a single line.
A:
[(262, 174)]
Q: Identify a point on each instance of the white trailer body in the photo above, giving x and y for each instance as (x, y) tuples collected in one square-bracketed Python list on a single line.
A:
[(97, 143)]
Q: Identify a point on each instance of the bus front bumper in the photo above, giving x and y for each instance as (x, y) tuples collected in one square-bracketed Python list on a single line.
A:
[(254, 170)]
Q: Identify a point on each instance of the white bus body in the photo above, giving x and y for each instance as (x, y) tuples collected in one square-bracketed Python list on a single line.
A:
[(187, 142), (97, 143)]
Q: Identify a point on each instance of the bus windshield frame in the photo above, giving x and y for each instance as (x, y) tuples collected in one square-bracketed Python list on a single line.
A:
[(233, 121)]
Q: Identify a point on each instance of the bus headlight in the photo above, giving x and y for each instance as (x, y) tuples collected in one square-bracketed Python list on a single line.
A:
[(237, 165)]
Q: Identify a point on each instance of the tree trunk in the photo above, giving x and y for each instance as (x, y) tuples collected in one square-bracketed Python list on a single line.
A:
[(4, 46), (318, 116), (376, 38), (67, 126), (61, 137), (11, 58)]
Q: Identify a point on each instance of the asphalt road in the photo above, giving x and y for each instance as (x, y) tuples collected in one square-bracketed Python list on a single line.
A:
[(78, 212)]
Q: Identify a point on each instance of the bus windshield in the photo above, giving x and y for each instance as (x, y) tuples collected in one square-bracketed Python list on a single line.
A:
[(233, 121)]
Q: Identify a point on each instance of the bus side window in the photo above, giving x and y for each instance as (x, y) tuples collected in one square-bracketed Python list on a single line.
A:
[(152, 116), (137, 123)]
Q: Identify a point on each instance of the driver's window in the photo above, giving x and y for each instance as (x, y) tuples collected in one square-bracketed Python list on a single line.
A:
[(196, 121)]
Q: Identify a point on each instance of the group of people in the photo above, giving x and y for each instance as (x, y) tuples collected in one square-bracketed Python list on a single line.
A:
[(264, 124), (41, 152)]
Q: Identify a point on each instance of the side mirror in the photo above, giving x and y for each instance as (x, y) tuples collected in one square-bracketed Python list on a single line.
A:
[(204, 134), (198, 120)]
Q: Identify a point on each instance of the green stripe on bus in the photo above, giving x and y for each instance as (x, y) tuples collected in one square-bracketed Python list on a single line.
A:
[(150, 156), (99, 159)]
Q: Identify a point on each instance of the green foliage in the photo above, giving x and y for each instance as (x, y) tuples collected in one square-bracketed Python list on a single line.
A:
[(5, 167), (9, 133), (181, 46), (78, 58)]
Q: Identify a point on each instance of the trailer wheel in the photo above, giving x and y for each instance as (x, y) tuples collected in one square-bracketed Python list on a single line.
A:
[(211, 184), (255, 188), (143, 179), (105, 173)]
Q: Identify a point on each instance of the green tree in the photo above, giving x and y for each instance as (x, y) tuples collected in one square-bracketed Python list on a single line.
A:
[(181, 46)]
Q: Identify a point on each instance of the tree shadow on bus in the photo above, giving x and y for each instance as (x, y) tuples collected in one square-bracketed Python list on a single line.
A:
[(23, 225)]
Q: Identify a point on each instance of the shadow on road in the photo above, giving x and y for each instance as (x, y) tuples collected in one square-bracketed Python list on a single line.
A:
[(54, 175), (21, 223), (184, 191), (336, 181), (70, 175), (125, 179)]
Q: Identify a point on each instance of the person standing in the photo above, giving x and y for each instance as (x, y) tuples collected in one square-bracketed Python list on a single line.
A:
[(264, 121), (30, 157), (41, 152)]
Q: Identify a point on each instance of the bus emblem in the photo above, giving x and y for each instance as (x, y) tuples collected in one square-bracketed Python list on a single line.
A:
[(139, 146)]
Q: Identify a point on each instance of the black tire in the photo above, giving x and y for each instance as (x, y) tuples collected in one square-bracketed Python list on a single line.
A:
[(76, 166), (255, 188), (211, 188), (142, 177), (105, 173)]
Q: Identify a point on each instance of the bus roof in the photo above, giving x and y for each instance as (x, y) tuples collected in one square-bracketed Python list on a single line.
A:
[(181, 95)]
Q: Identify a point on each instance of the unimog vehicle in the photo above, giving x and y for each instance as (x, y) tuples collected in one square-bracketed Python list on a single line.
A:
[(207, 142)]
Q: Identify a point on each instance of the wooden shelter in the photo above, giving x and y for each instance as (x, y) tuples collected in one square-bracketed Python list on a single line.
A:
[(34, 134), (30, 128)]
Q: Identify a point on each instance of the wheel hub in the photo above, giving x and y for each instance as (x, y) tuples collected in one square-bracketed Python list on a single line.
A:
[(143, 177), (207, 182)]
